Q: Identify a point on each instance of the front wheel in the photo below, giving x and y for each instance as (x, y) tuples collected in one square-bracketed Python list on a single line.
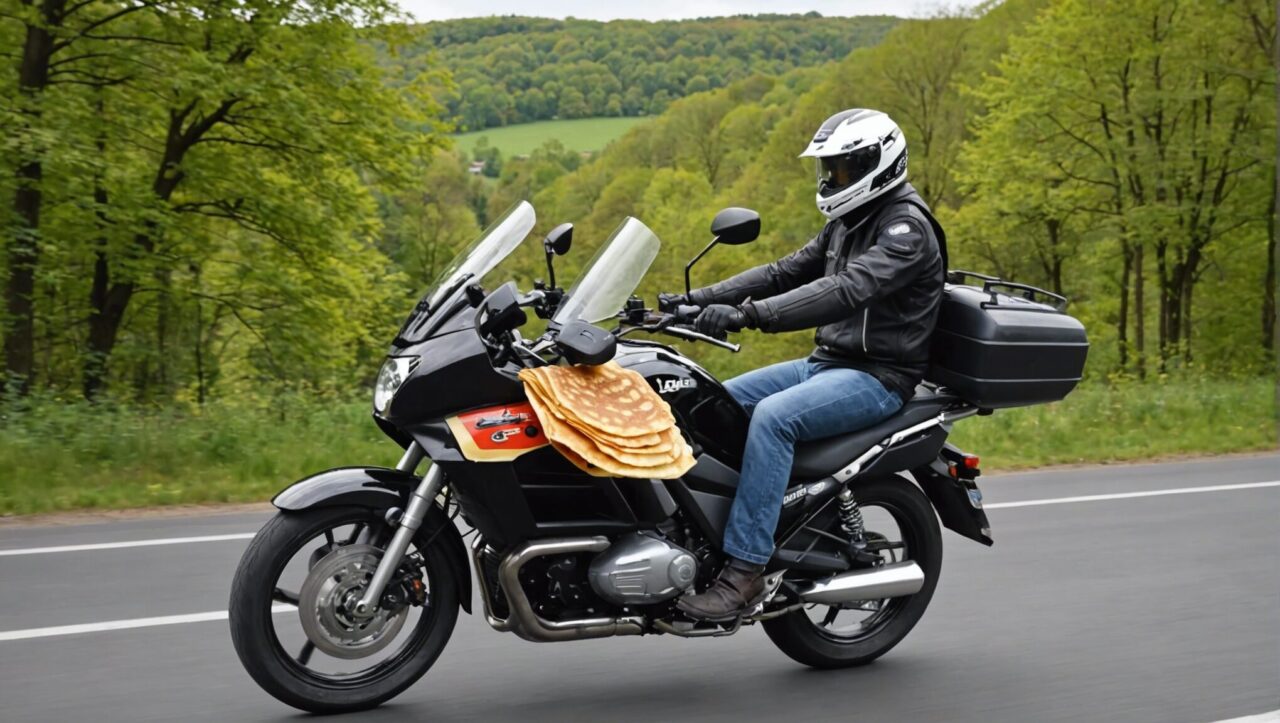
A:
[(291, 611), (900, 525)]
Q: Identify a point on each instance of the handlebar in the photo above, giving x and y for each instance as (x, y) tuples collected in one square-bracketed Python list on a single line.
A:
[(678, 324)]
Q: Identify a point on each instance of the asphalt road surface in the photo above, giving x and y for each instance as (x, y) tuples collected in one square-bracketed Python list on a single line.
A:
[(1154, 606)]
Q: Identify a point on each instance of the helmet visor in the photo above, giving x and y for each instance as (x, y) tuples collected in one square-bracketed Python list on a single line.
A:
[(836, 173)]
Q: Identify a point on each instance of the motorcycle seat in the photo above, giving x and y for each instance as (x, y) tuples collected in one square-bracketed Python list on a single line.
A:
[(823, 457)]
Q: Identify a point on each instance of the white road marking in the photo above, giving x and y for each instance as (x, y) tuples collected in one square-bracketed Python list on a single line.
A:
[(130, 543), (124, 624), (990, 506), (1132, 495), (222, 614), (1269, 717)]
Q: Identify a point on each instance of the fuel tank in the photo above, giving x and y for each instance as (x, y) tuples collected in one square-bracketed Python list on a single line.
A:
[(703, 407)]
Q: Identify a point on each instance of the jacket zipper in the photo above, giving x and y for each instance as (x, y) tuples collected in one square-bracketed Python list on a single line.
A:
[(866, 318)]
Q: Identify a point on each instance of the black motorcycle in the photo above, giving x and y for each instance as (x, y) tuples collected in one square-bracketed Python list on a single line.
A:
[(348, 595)]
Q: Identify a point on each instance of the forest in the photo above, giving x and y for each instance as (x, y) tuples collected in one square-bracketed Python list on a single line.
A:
[(516, 70), (217, 215)]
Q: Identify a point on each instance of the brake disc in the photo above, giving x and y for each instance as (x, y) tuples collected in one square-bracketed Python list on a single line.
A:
[(328, 596)]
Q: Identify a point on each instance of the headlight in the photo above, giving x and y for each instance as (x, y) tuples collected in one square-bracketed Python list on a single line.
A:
[(394, 371)]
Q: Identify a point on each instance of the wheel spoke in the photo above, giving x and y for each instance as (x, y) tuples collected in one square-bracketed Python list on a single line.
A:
[(284, 596), (830, 617), (355, 534), (304, 656)]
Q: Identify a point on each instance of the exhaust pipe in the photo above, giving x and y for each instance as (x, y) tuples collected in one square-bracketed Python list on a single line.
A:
[(530, 625), (893, 580)]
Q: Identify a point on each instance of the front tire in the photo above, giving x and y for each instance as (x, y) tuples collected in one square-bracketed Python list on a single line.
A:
[(286, 677), (807, 642)]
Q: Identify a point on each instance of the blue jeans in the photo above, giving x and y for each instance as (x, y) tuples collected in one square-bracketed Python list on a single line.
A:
[(791, 402)]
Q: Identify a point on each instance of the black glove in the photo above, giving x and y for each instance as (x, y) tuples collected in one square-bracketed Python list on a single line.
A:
[(668, 302), (716, 319)]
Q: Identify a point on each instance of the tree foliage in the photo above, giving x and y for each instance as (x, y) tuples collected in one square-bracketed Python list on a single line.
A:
[(1118, 152), (519, 69), (203, 196), (201, 200)]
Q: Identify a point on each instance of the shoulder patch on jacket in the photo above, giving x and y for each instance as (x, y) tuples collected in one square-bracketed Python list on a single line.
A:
[(902, 235)]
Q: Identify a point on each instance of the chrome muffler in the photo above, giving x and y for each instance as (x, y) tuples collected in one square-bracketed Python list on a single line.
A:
[(896, 579), (526, 623)]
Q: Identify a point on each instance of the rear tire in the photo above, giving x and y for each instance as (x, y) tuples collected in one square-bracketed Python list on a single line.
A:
[(254, 635), (797, 636)]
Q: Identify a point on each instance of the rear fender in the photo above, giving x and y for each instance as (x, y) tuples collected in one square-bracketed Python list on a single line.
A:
[(958, 501), (380, 488)]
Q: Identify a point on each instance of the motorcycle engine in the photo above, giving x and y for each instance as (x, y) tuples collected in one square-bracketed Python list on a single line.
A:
[(638, 569)]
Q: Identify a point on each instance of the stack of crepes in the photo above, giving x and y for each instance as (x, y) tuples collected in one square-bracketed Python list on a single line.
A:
[(608, 421)]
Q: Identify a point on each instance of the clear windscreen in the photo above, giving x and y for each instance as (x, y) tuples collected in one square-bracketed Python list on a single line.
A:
[(612, 274), (478, 258)]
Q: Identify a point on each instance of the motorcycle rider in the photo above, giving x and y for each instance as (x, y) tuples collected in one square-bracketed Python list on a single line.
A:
[(871, 282)]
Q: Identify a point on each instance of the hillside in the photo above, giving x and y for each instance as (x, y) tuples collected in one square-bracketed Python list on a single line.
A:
[(577, 134), (509, 70)]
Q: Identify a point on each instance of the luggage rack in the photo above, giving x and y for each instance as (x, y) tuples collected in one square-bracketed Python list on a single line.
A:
[(993, 284)]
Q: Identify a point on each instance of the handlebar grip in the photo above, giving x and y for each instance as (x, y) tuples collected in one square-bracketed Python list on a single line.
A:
[(686, 313)]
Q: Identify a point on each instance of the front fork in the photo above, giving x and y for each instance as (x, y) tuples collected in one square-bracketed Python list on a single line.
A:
[(419, 502)]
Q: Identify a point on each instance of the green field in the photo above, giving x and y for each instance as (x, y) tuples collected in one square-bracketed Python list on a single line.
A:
[(65, 454), (578, 134)]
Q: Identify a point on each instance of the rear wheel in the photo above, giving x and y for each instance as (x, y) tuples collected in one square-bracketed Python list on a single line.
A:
[(291, 611), (900, 525)]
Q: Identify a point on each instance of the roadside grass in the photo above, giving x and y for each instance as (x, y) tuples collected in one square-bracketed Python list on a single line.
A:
[(577, 134), (62, 455), (1127, 421)]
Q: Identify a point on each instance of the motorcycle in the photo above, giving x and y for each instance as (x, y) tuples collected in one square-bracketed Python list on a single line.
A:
[(351, 591)]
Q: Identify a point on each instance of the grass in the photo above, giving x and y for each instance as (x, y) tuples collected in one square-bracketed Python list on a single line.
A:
[(1128, 421), (63, 455), (578, 134)]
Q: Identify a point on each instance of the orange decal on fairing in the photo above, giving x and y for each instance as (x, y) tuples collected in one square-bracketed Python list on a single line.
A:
[(497, 434)]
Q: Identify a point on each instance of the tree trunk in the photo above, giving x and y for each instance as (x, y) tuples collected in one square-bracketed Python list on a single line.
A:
[(1054, 228), (101, 338), (1162, 272), (1139, 313), (1122, 325), (24, 248), (1187, 291), (1269, 278)]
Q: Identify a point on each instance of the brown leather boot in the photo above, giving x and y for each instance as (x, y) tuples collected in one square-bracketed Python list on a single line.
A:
[(738, 588)]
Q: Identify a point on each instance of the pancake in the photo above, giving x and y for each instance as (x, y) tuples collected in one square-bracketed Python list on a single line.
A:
[(540, 386), (608, 398), (571, 401)]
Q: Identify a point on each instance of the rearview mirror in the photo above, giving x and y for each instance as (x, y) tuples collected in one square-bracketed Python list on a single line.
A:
[(557, 243), (733, 226), (583, 343), (736, 226), (559, 240)]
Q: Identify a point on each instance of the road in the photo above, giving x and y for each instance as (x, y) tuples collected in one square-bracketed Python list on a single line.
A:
[(1157, 607)]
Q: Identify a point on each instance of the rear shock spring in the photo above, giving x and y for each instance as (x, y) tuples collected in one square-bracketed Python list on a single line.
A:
[(850, 516)]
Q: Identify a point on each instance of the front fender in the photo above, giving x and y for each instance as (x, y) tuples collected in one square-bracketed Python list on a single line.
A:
[(381, 488)]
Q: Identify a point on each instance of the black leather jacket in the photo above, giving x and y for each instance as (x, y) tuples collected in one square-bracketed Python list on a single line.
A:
[(871, 283)]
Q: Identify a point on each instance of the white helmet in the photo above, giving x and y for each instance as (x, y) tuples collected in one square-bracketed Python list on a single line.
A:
[(860, 154)]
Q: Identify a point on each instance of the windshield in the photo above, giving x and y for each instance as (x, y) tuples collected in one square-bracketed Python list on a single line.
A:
[(611, 275), (479, 257)]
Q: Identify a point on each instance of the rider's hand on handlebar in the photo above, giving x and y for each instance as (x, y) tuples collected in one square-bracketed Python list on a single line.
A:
[(669, 302), (716, 319)]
